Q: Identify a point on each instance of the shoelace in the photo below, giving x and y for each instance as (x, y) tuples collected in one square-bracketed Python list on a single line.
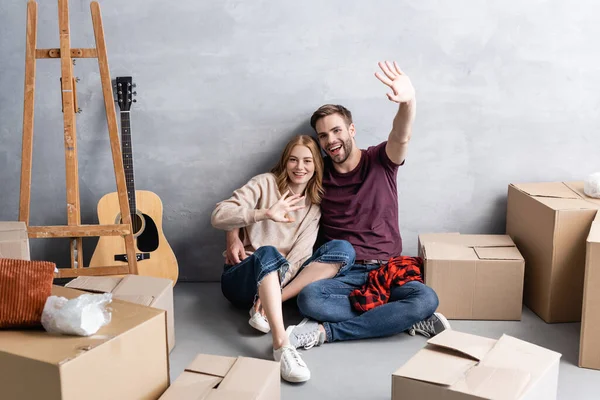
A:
[(291, 352), (308, 340), (425, 326)]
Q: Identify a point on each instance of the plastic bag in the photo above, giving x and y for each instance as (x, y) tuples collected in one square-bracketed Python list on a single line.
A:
[(591, 186), (81, 316)]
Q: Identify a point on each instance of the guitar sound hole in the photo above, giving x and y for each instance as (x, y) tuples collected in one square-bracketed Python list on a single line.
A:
[(137, 223)]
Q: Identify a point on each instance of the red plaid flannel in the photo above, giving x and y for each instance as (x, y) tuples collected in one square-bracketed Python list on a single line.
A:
[(376, 291)]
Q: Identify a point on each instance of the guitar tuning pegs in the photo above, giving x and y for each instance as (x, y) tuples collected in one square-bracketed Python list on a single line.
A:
[(134, 100), (135, 93), (134, 85)]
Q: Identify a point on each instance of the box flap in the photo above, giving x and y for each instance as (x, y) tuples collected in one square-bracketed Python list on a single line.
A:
[(594, 235), (577, 187), (190, 385), (251, 374), (559, 195), (513, 353), (471, 240), (482, 240), (469, 247), (97, 284), (436, 365), (547, 189), (498, 253), (142, 285), (447, 251), (493, 383), (474, 346), (137, 299), (211, 365)]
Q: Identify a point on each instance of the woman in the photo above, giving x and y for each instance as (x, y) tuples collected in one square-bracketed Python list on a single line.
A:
[(277, 216)]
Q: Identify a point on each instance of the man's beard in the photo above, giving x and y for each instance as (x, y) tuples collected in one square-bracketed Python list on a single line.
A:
[(347, 146)]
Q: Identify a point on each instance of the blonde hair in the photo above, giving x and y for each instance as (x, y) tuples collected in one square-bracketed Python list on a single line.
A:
[(314, 188)]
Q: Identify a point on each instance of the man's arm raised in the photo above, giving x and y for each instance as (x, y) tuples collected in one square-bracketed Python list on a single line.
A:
[(403, 93)]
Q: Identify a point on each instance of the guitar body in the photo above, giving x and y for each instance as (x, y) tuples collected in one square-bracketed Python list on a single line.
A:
[(155, 256)]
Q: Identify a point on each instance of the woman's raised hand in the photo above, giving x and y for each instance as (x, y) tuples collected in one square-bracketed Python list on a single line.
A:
[(280, 211)]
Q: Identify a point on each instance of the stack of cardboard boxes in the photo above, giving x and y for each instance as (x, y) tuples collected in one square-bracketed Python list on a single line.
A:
[(549, 260), (126, 359)]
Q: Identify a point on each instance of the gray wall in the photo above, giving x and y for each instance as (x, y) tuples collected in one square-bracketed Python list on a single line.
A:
[(508, 91)]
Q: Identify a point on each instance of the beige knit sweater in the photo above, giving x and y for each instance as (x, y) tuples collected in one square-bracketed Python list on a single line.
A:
[(294, 240)]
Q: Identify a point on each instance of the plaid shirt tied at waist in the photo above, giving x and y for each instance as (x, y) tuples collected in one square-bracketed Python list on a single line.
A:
[(398, 271)]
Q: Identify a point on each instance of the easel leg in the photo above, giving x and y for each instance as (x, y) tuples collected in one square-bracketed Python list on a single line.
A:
[(70, 134), (28, 112), (111, 119)]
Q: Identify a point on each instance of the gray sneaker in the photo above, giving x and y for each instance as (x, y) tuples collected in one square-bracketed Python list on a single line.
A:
[(306, 334), (431, 326)]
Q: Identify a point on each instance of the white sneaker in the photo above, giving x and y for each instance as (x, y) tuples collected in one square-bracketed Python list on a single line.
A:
[(293, 369), (259, 321)]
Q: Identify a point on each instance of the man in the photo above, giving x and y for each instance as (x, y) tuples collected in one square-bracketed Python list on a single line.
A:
[(360, 205)]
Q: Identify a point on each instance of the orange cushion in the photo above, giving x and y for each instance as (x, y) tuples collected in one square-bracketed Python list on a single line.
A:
[(24, 288)]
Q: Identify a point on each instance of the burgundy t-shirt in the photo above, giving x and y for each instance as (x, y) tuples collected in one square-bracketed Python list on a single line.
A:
[(361, 206)]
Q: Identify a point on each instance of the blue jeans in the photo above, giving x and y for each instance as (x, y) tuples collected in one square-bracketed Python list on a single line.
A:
[(327, 301), (239, 282)]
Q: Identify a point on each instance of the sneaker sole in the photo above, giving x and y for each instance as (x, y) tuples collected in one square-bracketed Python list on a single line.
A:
[(258, 327), (444, 320), (293, 379)]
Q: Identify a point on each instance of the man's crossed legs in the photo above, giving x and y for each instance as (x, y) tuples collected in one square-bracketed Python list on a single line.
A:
[(411, 307)]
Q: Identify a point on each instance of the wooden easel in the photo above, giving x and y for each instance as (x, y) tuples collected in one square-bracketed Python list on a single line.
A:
[(74, 229)]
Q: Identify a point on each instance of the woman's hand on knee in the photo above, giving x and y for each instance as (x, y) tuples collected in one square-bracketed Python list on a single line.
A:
[(258, 307)]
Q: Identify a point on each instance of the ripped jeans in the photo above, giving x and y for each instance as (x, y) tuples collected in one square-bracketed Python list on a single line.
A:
[(239, 282)]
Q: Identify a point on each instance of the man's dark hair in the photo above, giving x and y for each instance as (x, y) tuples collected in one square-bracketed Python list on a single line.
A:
[(330, 109)]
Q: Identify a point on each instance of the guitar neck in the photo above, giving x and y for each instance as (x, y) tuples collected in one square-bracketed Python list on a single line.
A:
[(126, 148)]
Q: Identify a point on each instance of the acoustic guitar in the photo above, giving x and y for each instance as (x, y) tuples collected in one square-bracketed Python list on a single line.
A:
[(154, 255)]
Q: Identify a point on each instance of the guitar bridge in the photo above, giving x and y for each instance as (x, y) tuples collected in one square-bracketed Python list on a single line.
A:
[(138, 256)]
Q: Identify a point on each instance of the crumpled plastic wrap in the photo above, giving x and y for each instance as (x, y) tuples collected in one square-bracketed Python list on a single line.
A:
[(81, 316), (591, 186)]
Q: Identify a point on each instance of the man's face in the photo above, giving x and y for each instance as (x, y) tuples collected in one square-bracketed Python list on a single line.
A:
[(335, 137)]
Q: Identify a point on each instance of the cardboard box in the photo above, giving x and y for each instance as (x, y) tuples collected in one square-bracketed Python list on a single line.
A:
[(14, 242), (550, 222), (589, 345), (144, 290), (475, 276), (126, 359), (460, 366), (238, 378)]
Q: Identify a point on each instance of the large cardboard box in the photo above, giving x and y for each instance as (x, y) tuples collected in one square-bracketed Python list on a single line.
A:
[(144, 290), (475, 276), (460, 366), (211, 377), (589, 345), (14, 242), (126, 359), (550, 222)]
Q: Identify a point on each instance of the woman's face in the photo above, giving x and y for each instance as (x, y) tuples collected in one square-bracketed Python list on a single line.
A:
[(300, 166)]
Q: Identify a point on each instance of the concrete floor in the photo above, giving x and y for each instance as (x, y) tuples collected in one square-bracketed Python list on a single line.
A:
[(206, 323)]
